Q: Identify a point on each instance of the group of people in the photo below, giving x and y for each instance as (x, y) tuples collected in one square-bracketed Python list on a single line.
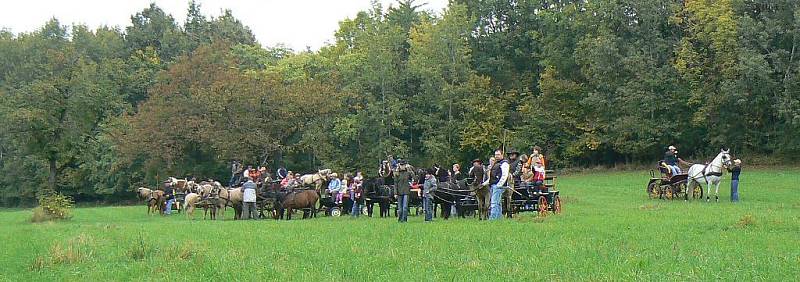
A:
[(500, 174), (350, 186)]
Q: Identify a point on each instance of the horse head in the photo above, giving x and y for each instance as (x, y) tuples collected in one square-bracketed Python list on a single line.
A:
[(143, 193), (725, 157)]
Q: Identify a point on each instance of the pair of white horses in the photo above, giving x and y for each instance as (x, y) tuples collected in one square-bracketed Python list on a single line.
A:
[(708, 174)]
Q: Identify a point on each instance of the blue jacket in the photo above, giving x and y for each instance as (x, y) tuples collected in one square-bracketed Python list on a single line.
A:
[(333, 186)]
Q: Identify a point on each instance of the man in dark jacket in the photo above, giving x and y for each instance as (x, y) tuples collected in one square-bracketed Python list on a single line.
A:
[(404, 173), (428, 188), (499, 175), (169, 195), (516, 169)]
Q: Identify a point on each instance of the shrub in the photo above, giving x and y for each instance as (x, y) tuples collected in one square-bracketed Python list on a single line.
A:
[(52, 206)]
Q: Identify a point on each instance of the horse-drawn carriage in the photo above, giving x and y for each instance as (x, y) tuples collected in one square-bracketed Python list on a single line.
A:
[(543, 199), (669, 186)]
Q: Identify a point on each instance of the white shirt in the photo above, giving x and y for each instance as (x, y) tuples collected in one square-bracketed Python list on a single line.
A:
[(504, 169)]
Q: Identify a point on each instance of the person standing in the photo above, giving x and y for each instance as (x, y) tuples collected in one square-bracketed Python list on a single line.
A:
[(498, 179), (169, 195), (515, 167), (428, 187), (404, 174), (236, 170), (356, 194), (735, 171), (249, 199)]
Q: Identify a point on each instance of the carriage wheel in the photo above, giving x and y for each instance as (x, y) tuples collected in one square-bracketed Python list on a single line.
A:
[(668, 193), (680, 190), (698, 192), (364, 210), (542, 206), (653, 190), (336, 212), (557, 205)]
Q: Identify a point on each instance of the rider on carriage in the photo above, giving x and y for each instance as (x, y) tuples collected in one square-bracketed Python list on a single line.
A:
[(672, 161)]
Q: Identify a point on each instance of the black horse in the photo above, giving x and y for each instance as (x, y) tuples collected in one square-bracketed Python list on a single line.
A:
[(376, 192), (452, 193)]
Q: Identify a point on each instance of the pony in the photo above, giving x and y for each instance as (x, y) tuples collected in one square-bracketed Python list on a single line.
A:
[(153, 198), (710, 174), (302, 199), (216, 198), (316, 179), (189, 203), (236, 196)]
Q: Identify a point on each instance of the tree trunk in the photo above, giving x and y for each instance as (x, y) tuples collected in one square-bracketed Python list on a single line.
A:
[(51, 179)]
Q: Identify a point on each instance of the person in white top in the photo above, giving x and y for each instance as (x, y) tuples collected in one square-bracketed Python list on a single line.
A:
[(249, 199)]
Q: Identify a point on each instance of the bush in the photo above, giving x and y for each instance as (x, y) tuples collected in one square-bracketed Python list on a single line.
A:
[(52, 206)]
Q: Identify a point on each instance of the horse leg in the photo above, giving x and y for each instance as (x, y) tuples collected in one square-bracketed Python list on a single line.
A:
[(716, 191), (708, 190)]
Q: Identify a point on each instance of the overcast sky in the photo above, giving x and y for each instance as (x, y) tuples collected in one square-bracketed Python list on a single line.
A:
[(296, 23)]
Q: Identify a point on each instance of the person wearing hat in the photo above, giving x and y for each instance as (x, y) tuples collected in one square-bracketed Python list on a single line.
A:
[(428, 188), (516, 168), (672, 160), (403, 173), (476, 173), (735, 171)]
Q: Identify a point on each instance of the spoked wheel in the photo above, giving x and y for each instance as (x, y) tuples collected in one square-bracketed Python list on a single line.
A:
[(679, 190), (364, 210), (557, 205), (667, 192), (652, 190), (336, 212), (542, 206), (698, 192)]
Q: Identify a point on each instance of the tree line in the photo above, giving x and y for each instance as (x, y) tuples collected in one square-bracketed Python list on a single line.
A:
[(95, 113)]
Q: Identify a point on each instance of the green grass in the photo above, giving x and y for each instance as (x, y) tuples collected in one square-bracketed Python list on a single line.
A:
[(609, 231)]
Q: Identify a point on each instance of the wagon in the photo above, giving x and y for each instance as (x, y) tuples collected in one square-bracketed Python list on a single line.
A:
[(542, 200), (668, 186)]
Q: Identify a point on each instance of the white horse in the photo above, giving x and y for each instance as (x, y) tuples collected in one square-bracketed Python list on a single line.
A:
[(710, 174)]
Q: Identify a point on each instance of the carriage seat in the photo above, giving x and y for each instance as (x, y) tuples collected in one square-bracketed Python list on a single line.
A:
[(665, 170)]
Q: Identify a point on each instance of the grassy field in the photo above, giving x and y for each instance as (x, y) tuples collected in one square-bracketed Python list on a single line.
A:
[(609, 230)]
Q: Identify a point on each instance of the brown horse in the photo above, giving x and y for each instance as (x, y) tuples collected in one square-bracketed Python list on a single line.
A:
[(483, 196), (153, 198), (305, 199)]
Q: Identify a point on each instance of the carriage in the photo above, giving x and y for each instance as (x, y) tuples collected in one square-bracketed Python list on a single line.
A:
[(526, 197), (668, 186)]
